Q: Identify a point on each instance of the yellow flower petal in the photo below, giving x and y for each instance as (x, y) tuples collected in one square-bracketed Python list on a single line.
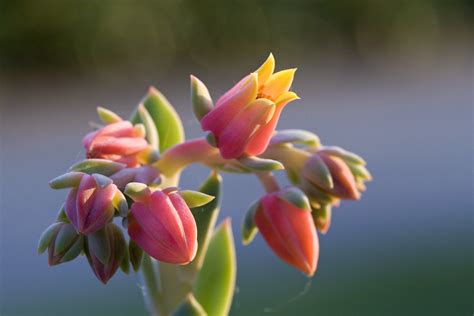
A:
[(278, 83), (266, 70), (286, 98)]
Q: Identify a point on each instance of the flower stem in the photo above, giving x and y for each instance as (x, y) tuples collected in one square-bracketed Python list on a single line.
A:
[(268, 181)]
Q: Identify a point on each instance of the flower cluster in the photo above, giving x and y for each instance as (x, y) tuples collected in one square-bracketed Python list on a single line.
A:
[(131, 174), (119, 165)]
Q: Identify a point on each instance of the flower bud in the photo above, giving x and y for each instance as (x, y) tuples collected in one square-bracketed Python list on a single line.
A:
[(331, 175), (162, 224), (244, 118), (120, 142), (105, 250), (90, 205), (63, 243), (289, 230)]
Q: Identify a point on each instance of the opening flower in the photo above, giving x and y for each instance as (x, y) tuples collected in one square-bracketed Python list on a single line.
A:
[(245, 117)]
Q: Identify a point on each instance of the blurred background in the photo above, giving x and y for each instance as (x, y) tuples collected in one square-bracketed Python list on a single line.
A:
[(390, 80)]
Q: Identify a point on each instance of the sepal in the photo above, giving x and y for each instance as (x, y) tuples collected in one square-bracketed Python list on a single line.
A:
[(195, 198), (316, 171), (260, 164), (249, 228), (296, 197), (103, 166), (295, 136), (67, 180)]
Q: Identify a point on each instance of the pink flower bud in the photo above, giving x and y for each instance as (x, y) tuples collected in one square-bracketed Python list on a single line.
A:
[(64, 244), (289, 231), (343, 184), (105, 250), (239, 126), (163, 226), (89, 206), (120, 142)]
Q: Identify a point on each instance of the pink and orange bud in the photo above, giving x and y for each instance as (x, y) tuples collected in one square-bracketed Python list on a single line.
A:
[(244, 118), (331, 175), (289, 231), (120, 142), (162, 224), (89, 206), (105, 251)]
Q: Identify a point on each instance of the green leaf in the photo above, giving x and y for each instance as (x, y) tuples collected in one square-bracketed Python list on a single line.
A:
[(205, 217), (150, 128), (259, 164), (47, 236), (103, 166), (107, 116), (195, 198), (67, 180), (200, 98), (249, 229), (214, 286), (295, 136), (167, 122), (190, 307)]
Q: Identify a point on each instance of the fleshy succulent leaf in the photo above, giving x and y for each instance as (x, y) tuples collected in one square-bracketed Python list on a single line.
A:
[(151, 130), (167, 122), (200, 98), (205, 216), (214, 286), (107, 116)]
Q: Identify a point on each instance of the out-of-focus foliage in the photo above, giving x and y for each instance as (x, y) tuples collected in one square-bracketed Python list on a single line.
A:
[(53, 34)]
